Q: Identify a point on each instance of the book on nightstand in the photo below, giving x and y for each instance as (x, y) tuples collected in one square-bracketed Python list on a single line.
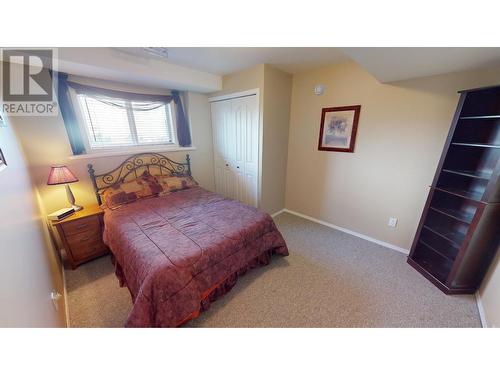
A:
[(61, 214)]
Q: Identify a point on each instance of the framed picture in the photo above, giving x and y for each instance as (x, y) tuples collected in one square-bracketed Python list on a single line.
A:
[(338, 128), (3, 163)]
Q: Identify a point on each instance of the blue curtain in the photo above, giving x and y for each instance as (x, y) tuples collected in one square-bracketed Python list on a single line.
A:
[(68, 114), (74, 134), (183, 133)]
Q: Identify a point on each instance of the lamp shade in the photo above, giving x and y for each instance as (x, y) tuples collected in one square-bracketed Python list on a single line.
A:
[(61, 175)]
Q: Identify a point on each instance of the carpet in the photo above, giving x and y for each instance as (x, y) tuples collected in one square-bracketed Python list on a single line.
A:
[(330, 279)]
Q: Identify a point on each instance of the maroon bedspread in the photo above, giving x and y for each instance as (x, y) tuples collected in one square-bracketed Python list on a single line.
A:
[(179, 252)]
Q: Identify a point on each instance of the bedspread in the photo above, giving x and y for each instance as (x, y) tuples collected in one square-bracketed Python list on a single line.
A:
[(179, 252)]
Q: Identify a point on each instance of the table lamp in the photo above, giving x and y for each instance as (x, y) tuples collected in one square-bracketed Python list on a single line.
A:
[(62, 175)]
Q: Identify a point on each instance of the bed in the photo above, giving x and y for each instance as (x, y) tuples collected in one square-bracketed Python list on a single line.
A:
[(179, 252)]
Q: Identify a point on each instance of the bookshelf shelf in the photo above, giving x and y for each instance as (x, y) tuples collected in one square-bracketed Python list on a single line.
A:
[(475, 145)]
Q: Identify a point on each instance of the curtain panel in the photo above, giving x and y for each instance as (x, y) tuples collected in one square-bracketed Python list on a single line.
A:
[(68, 115), (183, 132), (151, 101)]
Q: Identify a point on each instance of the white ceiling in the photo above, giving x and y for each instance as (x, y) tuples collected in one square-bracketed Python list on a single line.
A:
[(201, 69), (386, 64), (396, 64), (225, 60)]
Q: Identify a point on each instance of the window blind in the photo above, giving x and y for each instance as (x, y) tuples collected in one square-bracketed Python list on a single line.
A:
[(154, 125), (112, 122)]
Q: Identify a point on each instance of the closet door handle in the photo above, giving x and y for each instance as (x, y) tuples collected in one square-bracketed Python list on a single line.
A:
[(227, 165), (238, 167)]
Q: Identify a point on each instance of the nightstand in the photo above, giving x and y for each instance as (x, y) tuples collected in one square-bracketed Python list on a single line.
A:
[(81, 235)]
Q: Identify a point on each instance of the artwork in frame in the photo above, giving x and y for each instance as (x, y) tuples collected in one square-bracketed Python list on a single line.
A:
[(3, 163), (338, 128)]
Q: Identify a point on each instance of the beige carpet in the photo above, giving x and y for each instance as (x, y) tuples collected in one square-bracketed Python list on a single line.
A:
[(330, 279)]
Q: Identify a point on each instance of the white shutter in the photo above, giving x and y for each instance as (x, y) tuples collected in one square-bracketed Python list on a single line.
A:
[(112, 122)]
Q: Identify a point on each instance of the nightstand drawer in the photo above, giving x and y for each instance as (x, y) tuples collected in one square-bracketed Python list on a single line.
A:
[(81, 226), (88, 249), (89, 236)]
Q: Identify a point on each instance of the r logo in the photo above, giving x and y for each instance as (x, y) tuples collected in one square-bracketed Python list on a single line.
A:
[(33, 81)]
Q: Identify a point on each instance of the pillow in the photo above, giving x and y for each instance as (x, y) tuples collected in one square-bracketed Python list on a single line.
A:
[(170, 184), (128, 192), (151, 185)]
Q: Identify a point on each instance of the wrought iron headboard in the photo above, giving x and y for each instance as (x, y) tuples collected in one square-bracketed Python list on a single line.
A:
[(135, 166)]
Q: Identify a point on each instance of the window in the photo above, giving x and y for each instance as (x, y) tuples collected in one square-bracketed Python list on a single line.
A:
[(111, 122)]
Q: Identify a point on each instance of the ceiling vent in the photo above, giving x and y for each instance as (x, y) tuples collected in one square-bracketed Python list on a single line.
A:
[(144, 52), (157, 51)]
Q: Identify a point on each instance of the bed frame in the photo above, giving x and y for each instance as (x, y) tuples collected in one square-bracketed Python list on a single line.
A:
[(135, 166)]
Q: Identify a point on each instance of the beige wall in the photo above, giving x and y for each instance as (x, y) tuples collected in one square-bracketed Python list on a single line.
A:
[(274, 105), (247, 79), (45, 142), (277, 97), (29, 267), (401, 133)]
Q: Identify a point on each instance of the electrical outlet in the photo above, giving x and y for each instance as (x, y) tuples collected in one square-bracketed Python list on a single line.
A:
[(393, 221), (55, 297)]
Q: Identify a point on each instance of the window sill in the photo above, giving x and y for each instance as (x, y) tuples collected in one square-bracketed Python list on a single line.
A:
[(130, 152)]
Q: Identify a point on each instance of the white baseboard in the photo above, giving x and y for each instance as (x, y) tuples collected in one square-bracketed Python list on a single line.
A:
[(374, 240), (65, 292), (480, 308), (278, 212)]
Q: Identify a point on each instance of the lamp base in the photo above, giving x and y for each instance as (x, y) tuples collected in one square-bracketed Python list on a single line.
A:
[(71, 199), (76, 207)]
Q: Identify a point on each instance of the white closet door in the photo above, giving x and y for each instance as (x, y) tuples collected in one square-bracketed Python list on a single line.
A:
[(236, 148), (221, 122), (246, 124)]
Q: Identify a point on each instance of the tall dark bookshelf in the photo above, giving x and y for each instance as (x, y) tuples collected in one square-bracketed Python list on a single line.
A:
[(459, 231)]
